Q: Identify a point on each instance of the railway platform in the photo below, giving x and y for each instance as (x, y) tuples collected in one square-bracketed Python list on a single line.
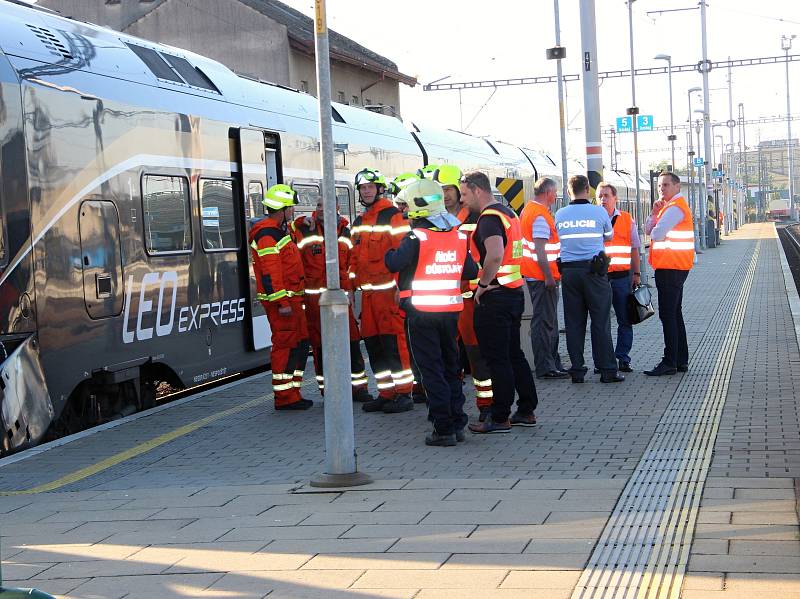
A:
[(678, 486)]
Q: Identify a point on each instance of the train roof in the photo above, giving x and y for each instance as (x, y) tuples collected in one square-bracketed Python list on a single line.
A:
[(48, 49)]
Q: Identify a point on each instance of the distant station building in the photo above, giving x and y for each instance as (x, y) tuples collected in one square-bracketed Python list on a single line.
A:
[(263, 39)]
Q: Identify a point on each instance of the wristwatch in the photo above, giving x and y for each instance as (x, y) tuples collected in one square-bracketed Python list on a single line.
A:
[(482, 286), (638, 274)]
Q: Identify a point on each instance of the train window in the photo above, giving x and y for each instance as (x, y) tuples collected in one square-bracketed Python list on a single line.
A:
[(155, 63), (307, 196), (343, 201), (255, 195), (191, 74), (167, 220), (217, 210)]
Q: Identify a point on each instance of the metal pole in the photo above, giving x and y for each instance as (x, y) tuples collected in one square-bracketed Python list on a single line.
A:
[(787, 44), (340, 454), (745, 172), (692, 189), (704, 67), (731, 124), (561, 109), (702, 200), (634, 111), (671, 119), (591, 96)]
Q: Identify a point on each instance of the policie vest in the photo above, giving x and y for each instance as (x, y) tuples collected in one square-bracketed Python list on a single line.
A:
[(676, 252), (619, 248), (508, 275), (552, 248), (436, 286)]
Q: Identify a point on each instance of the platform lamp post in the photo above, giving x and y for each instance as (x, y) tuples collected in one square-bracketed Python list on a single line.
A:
[(340, 454), (696, 205), (671, 137), (701, 189), (786, 45), (633, 112)]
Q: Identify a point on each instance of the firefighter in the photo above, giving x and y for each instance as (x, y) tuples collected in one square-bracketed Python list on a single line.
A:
[(376, 231), (449, 176), (395, 187), (431, 260), (308, 232), (280, 283)]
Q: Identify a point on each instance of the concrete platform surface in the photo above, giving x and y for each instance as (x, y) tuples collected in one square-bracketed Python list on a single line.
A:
[(210, 498)]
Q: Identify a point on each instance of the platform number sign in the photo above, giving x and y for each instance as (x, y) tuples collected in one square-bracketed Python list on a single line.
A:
[(624, 124), (644, 122), (699, 162)]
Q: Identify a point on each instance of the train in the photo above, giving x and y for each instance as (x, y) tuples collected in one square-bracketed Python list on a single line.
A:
[(129, 174)]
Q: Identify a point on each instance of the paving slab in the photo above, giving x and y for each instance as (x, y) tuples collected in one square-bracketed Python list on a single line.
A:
[(507, 516)]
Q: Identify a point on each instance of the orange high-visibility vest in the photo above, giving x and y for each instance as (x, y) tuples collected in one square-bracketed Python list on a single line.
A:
[(677, 250), (530, 265), (508, 275), (619, 247), (436, 286)]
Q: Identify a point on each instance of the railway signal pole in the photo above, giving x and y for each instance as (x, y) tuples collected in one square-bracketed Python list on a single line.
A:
[(340, 453)]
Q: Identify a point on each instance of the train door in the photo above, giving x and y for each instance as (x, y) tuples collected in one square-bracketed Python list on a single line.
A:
[(259, 164), (101, 258)]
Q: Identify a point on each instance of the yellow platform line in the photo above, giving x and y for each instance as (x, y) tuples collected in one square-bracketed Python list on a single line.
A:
[(136, 450)]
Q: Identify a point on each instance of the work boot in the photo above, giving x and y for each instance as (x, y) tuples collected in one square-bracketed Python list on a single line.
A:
[(375, 405), (362, 395), (490, 427), (301, 404), (401, 403), (518, 419), (484, 413), (438, 440)]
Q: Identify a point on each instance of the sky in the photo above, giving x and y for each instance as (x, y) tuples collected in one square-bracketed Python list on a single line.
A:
[(468, 40)]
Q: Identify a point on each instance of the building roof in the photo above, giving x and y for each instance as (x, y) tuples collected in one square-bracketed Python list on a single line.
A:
[(300, 30)]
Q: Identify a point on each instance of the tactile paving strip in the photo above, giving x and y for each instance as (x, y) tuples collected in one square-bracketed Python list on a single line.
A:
[(644, 549)]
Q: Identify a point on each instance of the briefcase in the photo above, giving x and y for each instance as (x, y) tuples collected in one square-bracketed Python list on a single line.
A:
[(640, 304)]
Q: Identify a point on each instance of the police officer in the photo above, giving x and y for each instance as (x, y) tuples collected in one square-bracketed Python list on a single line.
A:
[(499, 301), (432, 259), (280, 285), (582, 228)]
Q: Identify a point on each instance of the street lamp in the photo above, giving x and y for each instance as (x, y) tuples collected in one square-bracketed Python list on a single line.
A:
[(702, 189), (786, 45), (671, 136), (633, 111)]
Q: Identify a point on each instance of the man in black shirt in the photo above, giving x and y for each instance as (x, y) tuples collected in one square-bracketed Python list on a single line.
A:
[(499, 302)]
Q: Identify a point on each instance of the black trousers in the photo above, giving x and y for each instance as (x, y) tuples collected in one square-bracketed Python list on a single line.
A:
[(497, 326), (587, 294), (434, 349), (669, 284)]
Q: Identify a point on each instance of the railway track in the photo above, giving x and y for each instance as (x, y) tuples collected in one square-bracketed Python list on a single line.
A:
[(790, 239)]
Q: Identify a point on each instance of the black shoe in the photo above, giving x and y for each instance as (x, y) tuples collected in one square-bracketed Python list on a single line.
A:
[(419, 398), (518, 419), (625, 366), (661, 369), (489, 426), (375, 405), (440, 440), (401, 403), (683, 368), (485, 412), (577, 378), (611, 377), (362, 395), (302, 404), (596, 370), (460, 436), (554, 374)]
